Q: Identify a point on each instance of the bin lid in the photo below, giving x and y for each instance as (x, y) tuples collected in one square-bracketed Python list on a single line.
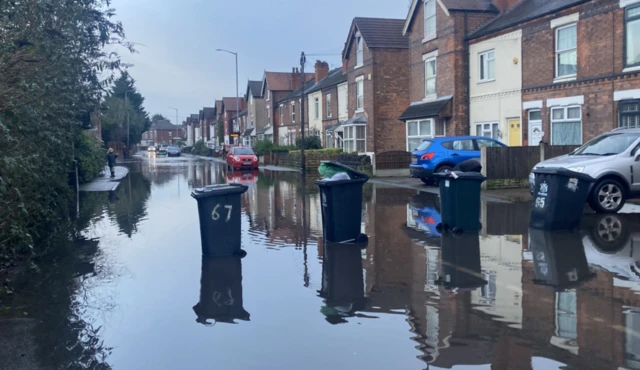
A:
[(219, 189), (559, 171), (462, 176), (354, 174)]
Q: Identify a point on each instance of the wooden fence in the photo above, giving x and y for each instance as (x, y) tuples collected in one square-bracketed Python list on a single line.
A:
[(393, 160), (509, 167)]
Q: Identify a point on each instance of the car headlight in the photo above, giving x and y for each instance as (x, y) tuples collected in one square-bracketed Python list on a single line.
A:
[(532, 178), (237, 159), (576, 169), (255, 159)]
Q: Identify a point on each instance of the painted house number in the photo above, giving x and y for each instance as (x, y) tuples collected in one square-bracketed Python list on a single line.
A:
[(216, 216)]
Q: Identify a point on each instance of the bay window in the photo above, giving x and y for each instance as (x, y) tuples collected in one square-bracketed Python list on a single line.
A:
[(430, 78), (632, 36), (417, 131), (566, 126), (487, 129), (566, 51), (355, 139), (429, 19)]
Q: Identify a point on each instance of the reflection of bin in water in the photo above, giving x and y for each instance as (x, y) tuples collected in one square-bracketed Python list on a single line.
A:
[(559, 259), (559, 197), (342, 206), (219, 210), (342, 281), (460, 199), (460, 266), (221, 291)]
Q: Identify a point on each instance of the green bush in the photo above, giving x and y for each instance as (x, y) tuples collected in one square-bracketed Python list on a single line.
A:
[(200, 148), (328, 151), (310, 142), (262, 147), (283, 148), (90, 155)]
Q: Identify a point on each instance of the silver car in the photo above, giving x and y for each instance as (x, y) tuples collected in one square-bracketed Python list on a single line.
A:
[(613, 160)]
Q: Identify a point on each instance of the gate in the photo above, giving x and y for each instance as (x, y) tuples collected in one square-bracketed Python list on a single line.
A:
[(392, 163)]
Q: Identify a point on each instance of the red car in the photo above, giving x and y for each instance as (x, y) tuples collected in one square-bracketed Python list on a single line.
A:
[(242, 158)]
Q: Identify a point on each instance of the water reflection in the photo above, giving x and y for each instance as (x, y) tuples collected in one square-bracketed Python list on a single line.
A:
[(504, 299), (221, 291)]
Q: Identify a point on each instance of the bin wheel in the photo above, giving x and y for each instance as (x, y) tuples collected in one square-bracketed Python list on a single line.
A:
[(442, 227), (362, 240), (241, 253), (479, 225), (457, 230)]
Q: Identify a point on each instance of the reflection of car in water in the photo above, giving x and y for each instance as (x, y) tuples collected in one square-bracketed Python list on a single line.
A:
[(425, 211), (243, 177), (612, 242), (162, 151)]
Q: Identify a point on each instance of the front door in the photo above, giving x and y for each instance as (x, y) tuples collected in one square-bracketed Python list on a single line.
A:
[(515, 134), (535, 133)]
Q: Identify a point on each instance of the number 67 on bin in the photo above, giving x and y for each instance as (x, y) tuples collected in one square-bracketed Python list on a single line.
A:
[(216, 216)]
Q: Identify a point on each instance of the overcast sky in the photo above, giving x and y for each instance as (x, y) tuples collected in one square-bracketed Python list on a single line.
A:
[(179, 67)]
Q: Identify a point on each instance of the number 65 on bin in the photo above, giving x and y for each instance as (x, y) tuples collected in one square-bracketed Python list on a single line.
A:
[(216, 216)]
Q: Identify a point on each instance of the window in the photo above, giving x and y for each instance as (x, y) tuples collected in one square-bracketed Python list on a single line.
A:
[(328, 105), (441, 127), (629, 113), (316, 105), (250, 99), (566, 51), (631, 340), (359, 51), (487, 66), (463, 145), (429, 19), (268, 95), (487, 143), (360, 94), (417, 131), (281, 115), (535, 115), (566, 315), (355, 139), (293, 112), (566, 126), (632, 36), (251, 119), (430, 77), (268, 112), (487, 129)]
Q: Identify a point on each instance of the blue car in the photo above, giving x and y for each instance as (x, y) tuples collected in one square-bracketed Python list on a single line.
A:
[(442, 154)]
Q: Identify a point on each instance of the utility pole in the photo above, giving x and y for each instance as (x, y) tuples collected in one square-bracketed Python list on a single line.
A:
[(303, 160), (176, 109), (237, 89)]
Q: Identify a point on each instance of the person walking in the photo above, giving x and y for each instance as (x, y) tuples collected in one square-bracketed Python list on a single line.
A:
[(111, 162)]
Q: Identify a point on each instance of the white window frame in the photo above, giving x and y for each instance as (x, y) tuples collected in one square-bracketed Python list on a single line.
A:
[(359, 90), (483, 129), (293, 112), (359, 50), (427, 34), (268, 94), (251, 99), (428, 96), (558, 52), (350, 138), (316, 105), (327, 101), (281, 114), (420, 135), (483, 65), (565, 119)]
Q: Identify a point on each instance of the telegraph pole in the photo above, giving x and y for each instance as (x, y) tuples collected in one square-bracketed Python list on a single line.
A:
[(303, 161)]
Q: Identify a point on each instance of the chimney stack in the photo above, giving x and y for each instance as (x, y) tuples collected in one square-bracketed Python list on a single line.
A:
[(504, 5), (322, 70)]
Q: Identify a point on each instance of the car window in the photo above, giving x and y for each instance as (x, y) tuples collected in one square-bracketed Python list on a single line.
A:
[(447, 145), (487, 143), (609, 144), (242, 151), (424, 145), (463, 145)]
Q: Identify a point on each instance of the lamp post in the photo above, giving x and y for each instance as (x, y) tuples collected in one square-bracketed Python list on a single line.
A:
[(176, 109), (303, 161), (237, 90)]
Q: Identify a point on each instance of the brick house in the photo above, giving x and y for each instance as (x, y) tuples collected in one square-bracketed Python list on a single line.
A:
[(275, 85), (256, 114), (231, 128), (164, 132), (324, 105), (290, 112), (207, 123), (580, 66), (375, 59), (439, 68)]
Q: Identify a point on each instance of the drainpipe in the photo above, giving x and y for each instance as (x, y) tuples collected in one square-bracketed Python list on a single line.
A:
[(465, 49)]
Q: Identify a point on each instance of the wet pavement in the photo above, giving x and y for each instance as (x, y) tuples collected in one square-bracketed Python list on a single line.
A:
[(135, 292)]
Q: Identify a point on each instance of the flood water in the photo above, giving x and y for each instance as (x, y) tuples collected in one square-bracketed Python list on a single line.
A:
[(137, 294)]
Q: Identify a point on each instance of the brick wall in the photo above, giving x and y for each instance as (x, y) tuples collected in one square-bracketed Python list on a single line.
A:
[(391, 93), (366, 70)]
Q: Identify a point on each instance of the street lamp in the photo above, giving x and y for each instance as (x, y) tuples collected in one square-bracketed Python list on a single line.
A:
[(237, 90), (175, 109)]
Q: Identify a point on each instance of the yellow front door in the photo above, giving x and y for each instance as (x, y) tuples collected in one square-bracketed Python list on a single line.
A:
[(515, 134)]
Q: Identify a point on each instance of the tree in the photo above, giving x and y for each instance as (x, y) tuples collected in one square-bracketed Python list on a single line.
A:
[(220, 127), (158, 117), (117, 111)]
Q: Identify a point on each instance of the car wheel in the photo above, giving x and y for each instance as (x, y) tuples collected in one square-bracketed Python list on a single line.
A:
[(608, 196), (610, 233), (441, 170)]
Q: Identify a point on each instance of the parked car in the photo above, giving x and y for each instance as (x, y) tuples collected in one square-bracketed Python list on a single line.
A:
[(162, 151), (242, 158), (173, 151), (151, 148), (612, 159), (442, 154)]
